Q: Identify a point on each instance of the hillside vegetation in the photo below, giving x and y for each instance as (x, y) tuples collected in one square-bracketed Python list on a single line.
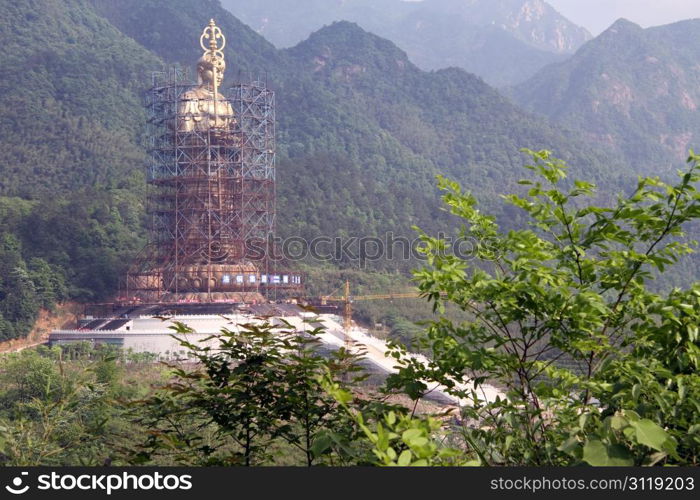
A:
[(71, 183), (502, 41), (362, 133), (635, 90)]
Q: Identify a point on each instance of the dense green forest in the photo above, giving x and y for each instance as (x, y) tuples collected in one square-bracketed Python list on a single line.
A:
[(591, 366), (564, 308), (72, 184), (362, 133)]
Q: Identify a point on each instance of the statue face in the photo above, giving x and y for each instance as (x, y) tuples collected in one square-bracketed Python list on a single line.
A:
[(206, 73)]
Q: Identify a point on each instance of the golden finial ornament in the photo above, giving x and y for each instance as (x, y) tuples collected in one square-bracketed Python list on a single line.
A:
[(212, 33)]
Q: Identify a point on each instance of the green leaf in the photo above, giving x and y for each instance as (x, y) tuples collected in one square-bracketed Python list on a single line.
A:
[(618, 422), (509, 442), (570, 446), (636, 389), (321, 444), (599, 454), (405, 458), (410, 435), (650, 434)]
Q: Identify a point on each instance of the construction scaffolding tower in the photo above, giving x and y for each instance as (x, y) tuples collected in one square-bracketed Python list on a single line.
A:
[(211, 201)]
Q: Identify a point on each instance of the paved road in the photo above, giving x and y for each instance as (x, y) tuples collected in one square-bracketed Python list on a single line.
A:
[(376, 352)]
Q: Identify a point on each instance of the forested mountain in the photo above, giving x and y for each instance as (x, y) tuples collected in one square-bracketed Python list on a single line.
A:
[(401, 125), (503, 41), (69, 98), (362, 133), (71, 170), (637, 90)]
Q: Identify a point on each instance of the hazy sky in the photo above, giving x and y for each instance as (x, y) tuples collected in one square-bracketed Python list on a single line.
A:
[(597, 15)]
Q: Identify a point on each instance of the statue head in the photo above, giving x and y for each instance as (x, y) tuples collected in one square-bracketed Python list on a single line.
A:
[(211, 65), (209, 68)]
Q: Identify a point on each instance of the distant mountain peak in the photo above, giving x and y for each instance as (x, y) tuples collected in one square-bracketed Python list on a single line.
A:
[(347, 49), (347, 28), (623, 24), (633, 88), (534, 22), (503, 41)]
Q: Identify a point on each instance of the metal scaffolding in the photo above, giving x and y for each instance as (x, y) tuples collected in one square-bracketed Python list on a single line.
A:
[(211, 201)]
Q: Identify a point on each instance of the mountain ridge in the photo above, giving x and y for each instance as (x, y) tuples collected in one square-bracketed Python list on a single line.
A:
[(391, 122), (633, 89), (362, 133), (503, 41)]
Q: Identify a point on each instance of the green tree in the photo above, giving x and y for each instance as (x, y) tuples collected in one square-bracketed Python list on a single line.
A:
[(314, 425), (256, 389), (57, 412), (50, 284), (26, 376), (7, 329), (20, 304), (594, 366)]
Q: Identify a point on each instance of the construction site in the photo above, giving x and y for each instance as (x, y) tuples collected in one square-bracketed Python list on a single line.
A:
[(211, 198), (210, 262)]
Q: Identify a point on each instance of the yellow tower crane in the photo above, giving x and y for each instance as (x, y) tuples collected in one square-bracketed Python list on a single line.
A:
[(348, 299)]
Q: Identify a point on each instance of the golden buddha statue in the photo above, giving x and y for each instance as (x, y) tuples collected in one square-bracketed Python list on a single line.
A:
[(204, 108)]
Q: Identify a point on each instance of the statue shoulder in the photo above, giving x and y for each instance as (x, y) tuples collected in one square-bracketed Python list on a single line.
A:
[(190, 95)]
